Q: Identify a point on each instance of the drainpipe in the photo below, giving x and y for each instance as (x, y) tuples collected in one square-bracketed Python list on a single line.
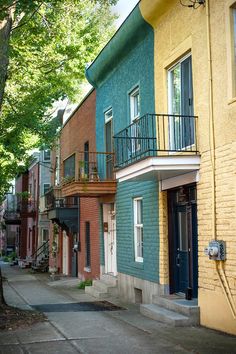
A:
[(218, 264)]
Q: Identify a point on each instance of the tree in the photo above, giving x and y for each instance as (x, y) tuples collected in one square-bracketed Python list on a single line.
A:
[(44, 48)]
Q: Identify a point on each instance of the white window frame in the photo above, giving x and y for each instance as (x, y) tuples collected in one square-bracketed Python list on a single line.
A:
[(44, 229), (138, 246), (170, 100), (135, 143), (107, 115)]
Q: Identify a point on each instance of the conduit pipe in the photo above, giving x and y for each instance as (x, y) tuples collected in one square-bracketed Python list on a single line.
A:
[(224, 284)]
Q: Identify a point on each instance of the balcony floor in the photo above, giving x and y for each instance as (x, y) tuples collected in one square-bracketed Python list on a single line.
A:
[(89, 189), (159, 168)]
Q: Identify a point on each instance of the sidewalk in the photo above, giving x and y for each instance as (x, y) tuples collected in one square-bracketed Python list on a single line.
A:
[(73, 327)]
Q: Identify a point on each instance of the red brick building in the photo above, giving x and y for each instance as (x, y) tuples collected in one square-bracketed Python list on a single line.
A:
[(76, 208)]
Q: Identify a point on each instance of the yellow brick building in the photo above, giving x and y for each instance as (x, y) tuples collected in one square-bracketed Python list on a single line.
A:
[(207, 35)]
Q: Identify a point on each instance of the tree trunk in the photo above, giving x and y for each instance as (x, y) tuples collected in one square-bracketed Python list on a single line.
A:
[(2, 300), (5, 31)]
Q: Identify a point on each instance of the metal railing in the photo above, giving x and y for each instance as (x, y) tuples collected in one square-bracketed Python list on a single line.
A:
[(52, 202), (41, 252), (153, 134), (92, 167)]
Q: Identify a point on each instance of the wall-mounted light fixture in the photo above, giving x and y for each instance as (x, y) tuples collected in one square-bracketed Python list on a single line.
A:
[(192, 3)]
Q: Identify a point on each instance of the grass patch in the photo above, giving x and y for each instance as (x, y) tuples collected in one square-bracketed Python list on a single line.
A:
[(83, 284)]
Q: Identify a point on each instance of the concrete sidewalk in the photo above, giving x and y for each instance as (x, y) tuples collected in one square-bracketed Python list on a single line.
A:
[(72, 330)]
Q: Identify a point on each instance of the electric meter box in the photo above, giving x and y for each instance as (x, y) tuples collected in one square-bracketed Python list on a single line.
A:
[(216, 250)]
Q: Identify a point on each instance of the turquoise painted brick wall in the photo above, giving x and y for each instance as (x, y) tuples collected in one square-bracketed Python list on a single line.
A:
[(149, 269), (133, 67)]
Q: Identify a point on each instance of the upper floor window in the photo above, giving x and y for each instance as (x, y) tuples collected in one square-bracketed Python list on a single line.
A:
[(69, 167), (138, 229), (46, 155), (134, 104)]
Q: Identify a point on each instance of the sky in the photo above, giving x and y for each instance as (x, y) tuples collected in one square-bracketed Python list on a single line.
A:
[(123, 8)]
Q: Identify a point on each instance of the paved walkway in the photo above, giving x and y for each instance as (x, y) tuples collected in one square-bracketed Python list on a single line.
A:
[(95, 332)]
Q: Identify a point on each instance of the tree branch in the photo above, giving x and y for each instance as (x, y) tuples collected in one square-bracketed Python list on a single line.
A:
[(32, 15)]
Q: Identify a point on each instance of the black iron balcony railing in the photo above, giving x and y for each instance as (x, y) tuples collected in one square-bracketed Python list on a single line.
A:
[(153, 134), (91, 167), (53, 202)]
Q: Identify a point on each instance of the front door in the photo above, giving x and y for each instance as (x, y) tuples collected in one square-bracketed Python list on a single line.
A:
[(183, 240), (110, 238), (74, 257)]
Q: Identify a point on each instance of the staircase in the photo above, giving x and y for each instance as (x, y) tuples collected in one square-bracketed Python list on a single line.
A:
[(103, 288), (40, 258), (173, 310)]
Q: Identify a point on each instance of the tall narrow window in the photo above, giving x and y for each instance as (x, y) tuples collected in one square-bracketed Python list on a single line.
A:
[(134, 116), (138, 229), (109, 145), (46, 187), (86, 159), (87, 245), (69, 167), (46, 155), (180, 96)]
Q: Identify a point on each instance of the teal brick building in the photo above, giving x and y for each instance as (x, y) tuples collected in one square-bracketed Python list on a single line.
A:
[(123, 75)]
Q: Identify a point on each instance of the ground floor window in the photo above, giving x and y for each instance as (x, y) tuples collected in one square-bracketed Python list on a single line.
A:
[(138, 229)]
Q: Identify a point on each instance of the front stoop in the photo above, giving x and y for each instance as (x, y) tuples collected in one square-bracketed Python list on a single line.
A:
[(173, 310), (103, 288)]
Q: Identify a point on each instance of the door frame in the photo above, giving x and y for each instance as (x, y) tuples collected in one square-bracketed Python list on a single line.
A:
[(191, 207), (109, 213)]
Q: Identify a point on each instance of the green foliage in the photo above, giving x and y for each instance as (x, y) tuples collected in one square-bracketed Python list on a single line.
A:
[(5, 259), (83, 284), (51, 43)]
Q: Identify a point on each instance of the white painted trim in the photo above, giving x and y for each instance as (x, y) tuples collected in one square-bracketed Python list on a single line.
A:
[(136, 225), (191, 177), (158, 164)]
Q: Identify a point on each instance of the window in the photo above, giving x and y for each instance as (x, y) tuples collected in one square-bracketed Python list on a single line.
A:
[(109, 144), (134, 104), (69, 167), (86, 159), (45, 235), (46, 187), (134, 115), (46, 155), (180, 97), (138, 229), (87, 245), (57, 172)]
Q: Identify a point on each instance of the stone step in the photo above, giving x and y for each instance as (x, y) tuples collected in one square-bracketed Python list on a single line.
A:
[(175, 303), (93, 291), (105, 287), (109, 279), (161, 314)]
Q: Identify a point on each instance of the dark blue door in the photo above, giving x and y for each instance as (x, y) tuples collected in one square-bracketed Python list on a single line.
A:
[(183, 240)]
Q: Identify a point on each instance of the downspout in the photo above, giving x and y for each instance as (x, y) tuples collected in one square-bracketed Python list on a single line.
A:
[(218, 264)]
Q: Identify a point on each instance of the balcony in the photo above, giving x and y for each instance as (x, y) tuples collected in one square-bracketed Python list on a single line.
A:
[(63, 211), (92, 176), (12, 217), (157, 146)]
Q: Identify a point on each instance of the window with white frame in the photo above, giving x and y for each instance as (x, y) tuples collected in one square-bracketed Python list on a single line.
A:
[(45, 235), (138, 229), (46, 155), (134, 116)]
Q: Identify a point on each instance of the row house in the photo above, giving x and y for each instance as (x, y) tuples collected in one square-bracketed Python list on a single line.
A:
[(165, 102), (83, 175)]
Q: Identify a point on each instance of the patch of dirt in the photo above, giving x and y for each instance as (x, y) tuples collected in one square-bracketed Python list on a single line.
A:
[(12, 318)]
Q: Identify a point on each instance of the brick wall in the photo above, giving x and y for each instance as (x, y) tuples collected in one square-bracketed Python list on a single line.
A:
[(89, 211)]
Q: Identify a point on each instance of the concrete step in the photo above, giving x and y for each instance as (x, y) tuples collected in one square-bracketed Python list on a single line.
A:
[(91, 290), (177, 304), (109, 279), (161, 314), (105, 287)]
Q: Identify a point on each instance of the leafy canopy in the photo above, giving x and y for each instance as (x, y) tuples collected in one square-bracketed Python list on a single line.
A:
[(50, 44)]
